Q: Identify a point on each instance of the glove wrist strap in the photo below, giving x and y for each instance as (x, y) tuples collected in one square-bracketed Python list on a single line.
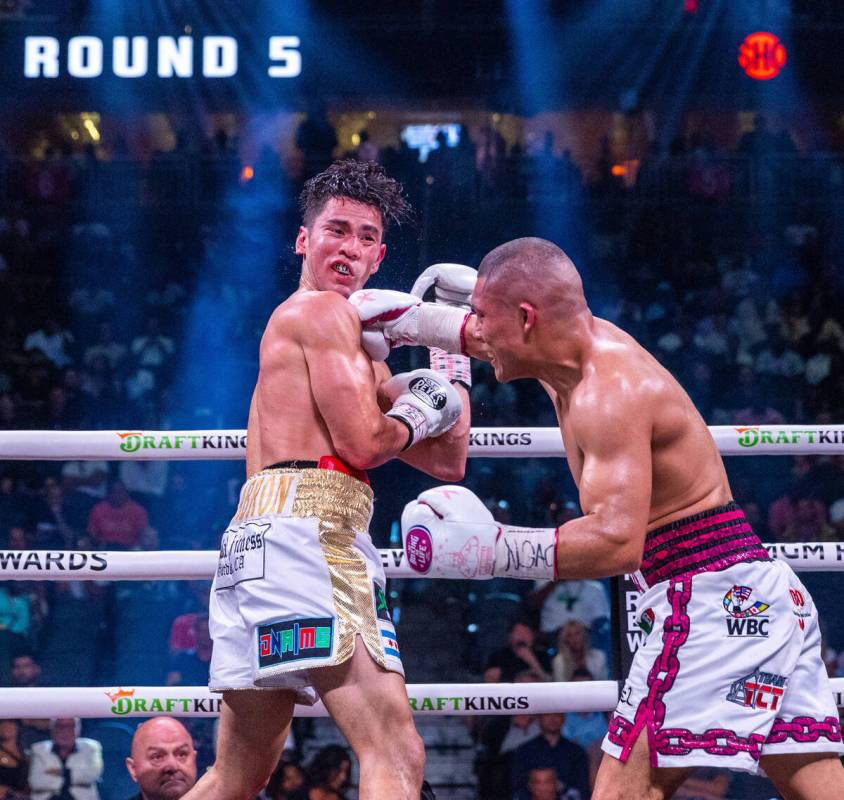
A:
[(526, 553), (414, 419)]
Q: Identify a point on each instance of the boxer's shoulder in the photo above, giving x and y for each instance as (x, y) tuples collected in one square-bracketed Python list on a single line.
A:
[(306, 315)]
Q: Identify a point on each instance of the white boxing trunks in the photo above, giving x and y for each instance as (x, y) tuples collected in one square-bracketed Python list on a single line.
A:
[(731, 668), (298, 579)]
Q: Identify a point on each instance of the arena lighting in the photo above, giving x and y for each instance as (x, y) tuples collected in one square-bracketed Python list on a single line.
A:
[(762, 55)]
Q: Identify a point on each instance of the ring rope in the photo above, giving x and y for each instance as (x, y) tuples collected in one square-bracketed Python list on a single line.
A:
[(184, 445), (432, 699), (189, 565)]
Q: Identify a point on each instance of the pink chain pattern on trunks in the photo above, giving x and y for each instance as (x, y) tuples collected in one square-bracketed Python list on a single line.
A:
[(804, 729), (651, 710)]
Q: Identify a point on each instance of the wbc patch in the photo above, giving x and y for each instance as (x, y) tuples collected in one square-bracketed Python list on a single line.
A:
[(285, 641)]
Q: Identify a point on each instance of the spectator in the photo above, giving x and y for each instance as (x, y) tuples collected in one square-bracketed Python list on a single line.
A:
[(543, 784), (317, 139), (118, 520), (191, 668), (328, 774), (66, 766), (163, 760), (587, 728), (52, 341), (574, 653), (14, 768), (286, 782), (550, 749), (26, 674), (367, 150), (105, 347), (561, 601), (520, 654), (153, 349)]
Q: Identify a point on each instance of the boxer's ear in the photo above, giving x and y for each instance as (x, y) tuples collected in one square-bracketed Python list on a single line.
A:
[(527, 317)]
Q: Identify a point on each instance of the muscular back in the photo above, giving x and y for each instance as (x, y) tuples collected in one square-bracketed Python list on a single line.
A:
[(625, 394), (285, 420)]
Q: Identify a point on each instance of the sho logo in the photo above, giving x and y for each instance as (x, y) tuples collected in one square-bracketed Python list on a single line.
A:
[(429, 392)]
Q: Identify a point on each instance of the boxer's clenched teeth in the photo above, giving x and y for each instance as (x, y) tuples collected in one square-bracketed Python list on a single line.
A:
[(341, 268)]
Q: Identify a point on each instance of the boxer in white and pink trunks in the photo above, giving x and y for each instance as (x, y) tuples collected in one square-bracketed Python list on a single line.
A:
[(731, 673)]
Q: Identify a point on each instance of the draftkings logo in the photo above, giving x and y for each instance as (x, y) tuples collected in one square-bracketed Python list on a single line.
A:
[(745, 618), (754, 435), (294, 640), (760, 689), (133, 441)]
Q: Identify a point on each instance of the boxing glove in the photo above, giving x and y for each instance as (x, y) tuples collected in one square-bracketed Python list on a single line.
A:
[(391, 319), (449, 533), (424, 401), (453, 286)]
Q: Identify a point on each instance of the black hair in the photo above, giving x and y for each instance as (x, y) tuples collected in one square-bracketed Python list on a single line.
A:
[(326, 763), (362, 181)]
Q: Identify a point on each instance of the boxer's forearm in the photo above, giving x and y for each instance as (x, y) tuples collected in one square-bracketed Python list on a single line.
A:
[(444, 457), (589, 547)]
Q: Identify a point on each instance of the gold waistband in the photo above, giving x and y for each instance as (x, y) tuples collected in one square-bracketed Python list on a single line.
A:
[(325, 494)]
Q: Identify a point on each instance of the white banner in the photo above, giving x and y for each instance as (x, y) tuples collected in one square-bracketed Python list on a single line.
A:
[(483, 443), (431, 699), (137, 565)]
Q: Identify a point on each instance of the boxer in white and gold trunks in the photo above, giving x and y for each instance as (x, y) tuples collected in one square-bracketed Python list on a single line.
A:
[(731, 673), (297, 606)]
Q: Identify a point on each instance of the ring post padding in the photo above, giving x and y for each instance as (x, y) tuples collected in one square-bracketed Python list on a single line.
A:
[(190, 445)]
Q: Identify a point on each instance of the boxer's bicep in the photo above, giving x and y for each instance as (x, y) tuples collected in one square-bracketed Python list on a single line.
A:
[(341, 380), (615, 484)]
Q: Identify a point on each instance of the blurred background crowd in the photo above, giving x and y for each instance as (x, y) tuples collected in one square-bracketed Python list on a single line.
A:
[(140, 257)]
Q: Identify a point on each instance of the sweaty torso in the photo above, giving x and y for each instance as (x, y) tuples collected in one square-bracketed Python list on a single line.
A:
[(284, 421), (687, 473)]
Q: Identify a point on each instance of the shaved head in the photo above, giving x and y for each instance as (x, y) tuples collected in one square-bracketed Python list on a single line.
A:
[(536, 271), (163, 760)]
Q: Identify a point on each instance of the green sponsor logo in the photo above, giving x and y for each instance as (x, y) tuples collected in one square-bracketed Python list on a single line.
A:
[(754, 435), (448, 704), (133, 441), (124, 702)]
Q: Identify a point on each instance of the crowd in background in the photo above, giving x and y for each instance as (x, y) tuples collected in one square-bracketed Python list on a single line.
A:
[(100, 331)]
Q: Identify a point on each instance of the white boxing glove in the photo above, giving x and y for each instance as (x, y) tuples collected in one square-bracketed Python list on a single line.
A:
[(453, 286), (424, 401), (399, 318), (449, 533)]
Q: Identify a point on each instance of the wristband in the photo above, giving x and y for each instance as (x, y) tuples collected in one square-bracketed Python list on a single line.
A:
[(442, 326), (458, 369)]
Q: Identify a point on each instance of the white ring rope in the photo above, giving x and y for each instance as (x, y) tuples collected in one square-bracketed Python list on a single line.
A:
[(139, 565), (457, 699), (483, 443)]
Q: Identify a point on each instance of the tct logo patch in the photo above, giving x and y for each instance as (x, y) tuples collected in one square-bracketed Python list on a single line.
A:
[(294, 640), (745, 618), (760, 689)]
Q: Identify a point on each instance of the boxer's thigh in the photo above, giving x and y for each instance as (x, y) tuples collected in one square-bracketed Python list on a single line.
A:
[(635, 778), (368, 703)]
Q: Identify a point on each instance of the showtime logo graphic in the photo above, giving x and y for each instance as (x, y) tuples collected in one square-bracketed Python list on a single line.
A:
[(762, 55)]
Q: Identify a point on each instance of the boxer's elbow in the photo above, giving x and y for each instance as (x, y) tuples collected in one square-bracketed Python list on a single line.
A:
[(450, 472), (626, 547)]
